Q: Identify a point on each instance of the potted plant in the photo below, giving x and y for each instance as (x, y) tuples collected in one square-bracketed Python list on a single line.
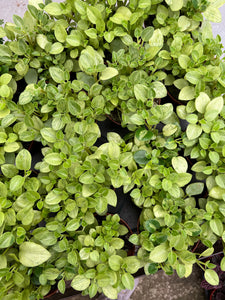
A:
[(212, 291), (154, 68)]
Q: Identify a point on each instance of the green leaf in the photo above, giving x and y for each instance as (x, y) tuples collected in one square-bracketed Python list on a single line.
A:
[(207, 252), (179, 164), (111, 198), (143, 134), (57, 74), (152, 268), (214, 157), (93, 289), (109, 36), (211, 277), (213, 108), (175, 5), (7, 121), (134, 239), (199, 166), (115, 262), (73, 225), (147, 33), (192, 228), (45, 237), (137, 119), (152, 225), (101, 206), (162, 14), (201, 102), (5, 51), (53, 159), (212, 14), (91, 33), (60, 32), (55, 197), (132, 264), (94, 15), (110, 292), (122, 14), (32, 254), (25, 97), (117, 243), (140, 157), (74, 39), (4, 91), (9, 170), (42, 40), (183, 23), (159, 88), (141, 92), (187, 93), (56, 48), (108, 73), (21, 68), (2, 218), (175, 191), (180, 269), (218, 3), (193, 77), (3, 189), (31, 76), (217, 192), (156, 43), (3, 137), (11, 147), (89, 189), (128, 281), (169, 129), (86, 178), (89, 60), (222, 264), (160, 253), (143, 4), (73, 107), (113, 150), (183, 179), (2, 32), (5, 78), (94, 256), (80, 283), (53, 9), (217, 226), (61, 286), (184, 61), (193, 131), (16, 183), (51, 273), (6, 240), (23, 160), (195, 188), (220, 180), (72, 258), (48, 134)]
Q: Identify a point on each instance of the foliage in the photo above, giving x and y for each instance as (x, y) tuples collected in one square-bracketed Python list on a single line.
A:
[(64, 67), (216, 292)]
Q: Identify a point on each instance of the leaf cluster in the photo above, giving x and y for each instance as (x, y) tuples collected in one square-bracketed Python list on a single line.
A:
[(65, 67)]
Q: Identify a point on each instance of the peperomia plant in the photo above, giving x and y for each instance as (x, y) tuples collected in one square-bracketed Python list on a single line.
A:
[(153, 68), (103, 265)]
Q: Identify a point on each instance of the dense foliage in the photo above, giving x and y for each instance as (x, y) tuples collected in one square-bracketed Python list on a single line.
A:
[(155, 67)]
